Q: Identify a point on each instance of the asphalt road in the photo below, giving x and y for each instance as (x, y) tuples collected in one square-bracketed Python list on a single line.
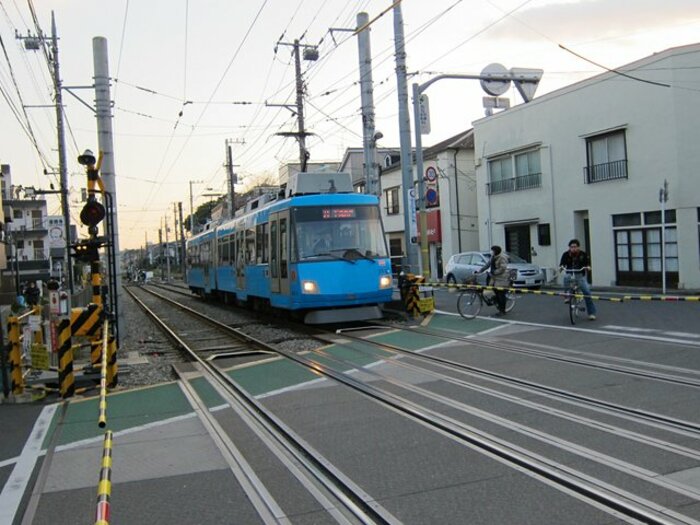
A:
[(676, 320)]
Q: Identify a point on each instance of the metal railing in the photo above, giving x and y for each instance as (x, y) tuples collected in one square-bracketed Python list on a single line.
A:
[(524, 182), (606, 171)]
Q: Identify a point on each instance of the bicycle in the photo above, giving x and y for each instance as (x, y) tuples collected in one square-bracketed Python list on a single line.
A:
[(471, 300), (575, 302)]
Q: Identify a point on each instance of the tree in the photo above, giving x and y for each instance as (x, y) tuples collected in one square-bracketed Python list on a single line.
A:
[(202, 214)]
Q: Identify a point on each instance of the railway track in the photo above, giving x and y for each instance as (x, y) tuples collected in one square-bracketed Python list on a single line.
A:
[(631, 491)]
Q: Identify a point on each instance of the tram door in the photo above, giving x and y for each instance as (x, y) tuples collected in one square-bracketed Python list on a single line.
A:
[(279, 252), (240, 260)]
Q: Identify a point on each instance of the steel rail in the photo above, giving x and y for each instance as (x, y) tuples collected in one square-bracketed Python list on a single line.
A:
[(568, 479), (360, 504)]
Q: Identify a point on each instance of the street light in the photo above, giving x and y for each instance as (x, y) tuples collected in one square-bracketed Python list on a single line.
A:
[(494, 78)]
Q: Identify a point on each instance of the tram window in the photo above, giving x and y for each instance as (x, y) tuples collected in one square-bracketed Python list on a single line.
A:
[(283, 249), (250, 245), (273, 250), (261, 239)]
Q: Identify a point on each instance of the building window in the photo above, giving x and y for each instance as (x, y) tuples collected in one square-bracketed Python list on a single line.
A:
[(606, 157), (391, 197), (16, 214), (396, 254), (543, 235), (520, 171), (638, 248)]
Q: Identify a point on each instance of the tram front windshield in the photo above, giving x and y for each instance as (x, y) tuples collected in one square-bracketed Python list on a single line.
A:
[(338, 232)]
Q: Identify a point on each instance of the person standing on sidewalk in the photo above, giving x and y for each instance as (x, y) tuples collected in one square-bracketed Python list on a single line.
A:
[(576, 259)]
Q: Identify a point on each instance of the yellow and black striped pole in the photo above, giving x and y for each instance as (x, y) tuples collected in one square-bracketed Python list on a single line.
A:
[(112, 370), (102, 415), (15, 356), (66, 380), (104, 489)]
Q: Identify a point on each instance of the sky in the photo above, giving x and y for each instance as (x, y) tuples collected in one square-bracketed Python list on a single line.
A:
[(190, 74)]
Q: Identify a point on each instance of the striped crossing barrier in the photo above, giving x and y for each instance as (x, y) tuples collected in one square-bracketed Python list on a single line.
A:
[(552, 293), (102, 415), (104, 489), (112, 369)]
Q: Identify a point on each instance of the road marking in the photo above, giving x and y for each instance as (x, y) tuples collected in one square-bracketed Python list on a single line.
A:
[(617, 333), (666, 333), (16, 485)]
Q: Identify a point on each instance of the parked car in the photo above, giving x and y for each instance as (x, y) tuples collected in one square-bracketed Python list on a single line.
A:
[(462, 265)]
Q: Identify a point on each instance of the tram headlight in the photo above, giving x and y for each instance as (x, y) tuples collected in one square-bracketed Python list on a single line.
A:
[(385, 282), (309, 287)]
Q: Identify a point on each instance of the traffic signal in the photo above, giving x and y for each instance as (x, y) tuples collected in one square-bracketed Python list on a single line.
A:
[(92, 213), (86, 251)]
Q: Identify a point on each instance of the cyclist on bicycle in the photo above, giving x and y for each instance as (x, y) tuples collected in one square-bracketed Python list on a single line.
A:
[(576, 259), (500, 278)]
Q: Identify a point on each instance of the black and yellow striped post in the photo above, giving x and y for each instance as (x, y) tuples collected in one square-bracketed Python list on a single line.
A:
[(87, 322), (104, 488), (96, 281), (15, 356), (112, 370), (412, 297), (66, 380), (102, 410)]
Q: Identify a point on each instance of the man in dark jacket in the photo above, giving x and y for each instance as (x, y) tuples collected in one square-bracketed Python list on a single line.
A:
[(32, 294), (576, 259)]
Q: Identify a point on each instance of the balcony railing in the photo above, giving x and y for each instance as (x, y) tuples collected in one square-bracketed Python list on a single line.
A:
[(607, 171), (526, 182)]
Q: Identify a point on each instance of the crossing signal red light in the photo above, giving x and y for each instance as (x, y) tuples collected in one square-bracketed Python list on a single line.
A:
[(92, 213)]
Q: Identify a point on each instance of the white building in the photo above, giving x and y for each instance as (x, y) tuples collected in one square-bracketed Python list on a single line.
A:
[(588, 161), (450, 203)]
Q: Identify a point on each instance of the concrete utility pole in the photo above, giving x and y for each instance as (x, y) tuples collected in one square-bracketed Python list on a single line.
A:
[(310, 53), (160, 242), (232, 177), (303, 154), (62, 166), (409, 207), (182, 241), (103, 111), (192, 205), (367, 97), (167, 249), (177, 242)]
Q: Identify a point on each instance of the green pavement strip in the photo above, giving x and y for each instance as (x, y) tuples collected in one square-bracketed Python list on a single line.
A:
[(124, 410)]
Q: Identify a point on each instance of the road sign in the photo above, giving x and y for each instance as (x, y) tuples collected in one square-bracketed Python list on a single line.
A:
[(424, 114), (496, 102), (431, 196), (430, 174), (526, 81), (494, 87)]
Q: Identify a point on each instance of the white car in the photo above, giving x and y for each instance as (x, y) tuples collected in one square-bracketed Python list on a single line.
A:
[(463, 265)]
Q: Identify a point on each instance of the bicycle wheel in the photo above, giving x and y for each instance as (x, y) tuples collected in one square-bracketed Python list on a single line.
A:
[(575, 306), (469, 304), (510, 301)]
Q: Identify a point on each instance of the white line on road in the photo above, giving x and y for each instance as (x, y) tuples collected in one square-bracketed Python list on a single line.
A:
[(14, 489)]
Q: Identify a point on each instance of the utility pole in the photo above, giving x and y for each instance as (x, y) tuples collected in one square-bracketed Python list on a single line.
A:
[(367, 97), (192, 204), (167, 249), (62, 167), (232, 177), (409, 206), (303, 154), (36, 43), (310, 53), (177, 242), (182, 241), (160, 242)]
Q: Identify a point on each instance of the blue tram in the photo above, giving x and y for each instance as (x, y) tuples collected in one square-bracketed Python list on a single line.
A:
[(319, 251)]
